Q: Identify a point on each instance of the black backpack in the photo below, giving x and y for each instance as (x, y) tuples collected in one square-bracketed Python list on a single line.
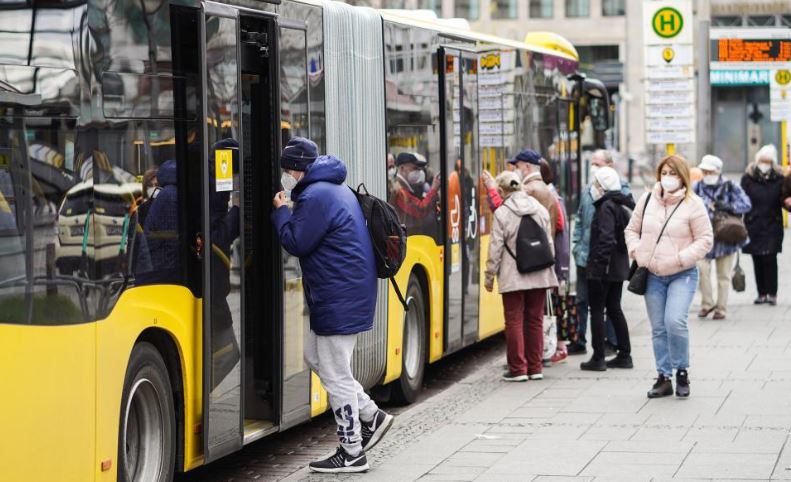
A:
[(533, 252), (388, 236)]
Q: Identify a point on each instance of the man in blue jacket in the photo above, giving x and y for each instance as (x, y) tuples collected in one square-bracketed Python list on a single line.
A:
[(328, 232)]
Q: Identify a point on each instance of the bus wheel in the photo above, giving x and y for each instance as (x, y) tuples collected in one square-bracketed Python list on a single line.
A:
[(414, 346), (147, 435)]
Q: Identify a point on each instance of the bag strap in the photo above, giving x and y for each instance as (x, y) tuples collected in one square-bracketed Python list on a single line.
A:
[(398, 293), (505, 242), (667, 221), (642, 215)]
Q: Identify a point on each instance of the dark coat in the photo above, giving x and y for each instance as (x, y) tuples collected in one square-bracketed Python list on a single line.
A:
[(608, 258), (327, 231), (765, 219)]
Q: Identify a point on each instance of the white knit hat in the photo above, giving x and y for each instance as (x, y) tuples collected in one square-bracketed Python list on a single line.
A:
[(767, 152), (608, 179)]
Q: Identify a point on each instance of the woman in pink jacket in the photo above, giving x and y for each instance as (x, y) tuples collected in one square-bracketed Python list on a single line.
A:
[(671, 261)]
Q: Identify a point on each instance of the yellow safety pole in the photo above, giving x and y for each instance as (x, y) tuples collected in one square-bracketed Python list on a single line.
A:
[(671, 149), (784, 140)]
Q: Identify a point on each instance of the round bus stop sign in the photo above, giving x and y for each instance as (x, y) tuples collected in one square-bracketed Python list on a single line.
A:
[(783, 77), (667, 22)]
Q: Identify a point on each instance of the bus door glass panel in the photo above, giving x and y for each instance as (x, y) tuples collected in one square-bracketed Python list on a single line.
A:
[(454, 202), (222, 247), (294, 121), (469, 172)]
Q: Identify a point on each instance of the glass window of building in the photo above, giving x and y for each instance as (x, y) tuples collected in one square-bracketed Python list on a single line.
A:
[(541, 9), (613, 8), (785, 21), (468, 9), (578, 8), (726, 21), (435, 5), (761, 21), (504, 9)]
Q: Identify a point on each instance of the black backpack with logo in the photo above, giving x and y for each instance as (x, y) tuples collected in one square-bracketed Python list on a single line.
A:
[(533, 252), (388, 236)]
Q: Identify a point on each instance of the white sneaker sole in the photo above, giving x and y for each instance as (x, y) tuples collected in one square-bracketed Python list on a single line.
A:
[(340, 470), (380, 432), (538, 376), (520, 378)]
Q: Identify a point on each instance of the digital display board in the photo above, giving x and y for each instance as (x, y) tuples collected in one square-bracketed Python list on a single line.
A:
[(750, 50)]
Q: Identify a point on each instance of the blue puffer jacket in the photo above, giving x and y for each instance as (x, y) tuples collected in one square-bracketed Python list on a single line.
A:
[(327, 231)]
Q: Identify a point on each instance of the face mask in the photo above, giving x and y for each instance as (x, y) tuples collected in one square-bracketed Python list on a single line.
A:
[(288, 182), (764, 168), (670, 183), (711, 179), (150, 191), (596, 194), (391, 172), (593, 170), (416, 177)]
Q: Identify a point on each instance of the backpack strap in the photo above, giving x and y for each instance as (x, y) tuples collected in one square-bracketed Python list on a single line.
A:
[(642, 214), (398, 293)]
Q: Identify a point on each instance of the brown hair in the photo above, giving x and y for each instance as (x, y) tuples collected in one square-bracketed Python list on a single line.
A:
[(678, 164), (546, 171)]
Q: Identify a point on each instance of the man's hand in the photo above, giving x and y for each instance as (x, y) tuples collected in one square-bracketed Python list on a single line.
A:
[(489, 285), (279, 200), (435, 183)]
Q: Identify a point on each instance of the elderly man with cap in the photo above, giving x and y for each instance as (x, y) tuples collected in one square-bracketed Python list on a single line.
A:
[(327, 231), (718, 194), (528, 165), (409, 199)]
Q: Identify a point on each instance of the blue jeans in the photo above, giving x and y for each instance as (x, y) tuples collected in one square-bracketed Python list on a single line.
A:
[(667, 300), (582, 311)]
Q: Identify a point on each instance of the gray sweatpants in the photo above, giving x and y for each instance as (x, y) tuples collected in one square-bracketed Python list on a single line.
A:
[(330, 357)]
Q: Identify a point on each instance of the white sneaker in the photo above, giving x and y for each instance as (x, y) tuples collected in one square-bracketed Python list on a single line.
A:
[(536, 376)]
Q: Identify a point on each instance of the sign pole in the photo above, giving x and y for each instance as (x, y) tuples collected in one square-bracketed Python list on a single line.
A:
[(671, 149), (784, 140)]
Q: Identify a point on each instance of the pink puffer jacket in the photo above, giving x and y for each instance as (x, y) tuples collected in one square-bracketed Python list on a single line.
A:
[(687, 237)]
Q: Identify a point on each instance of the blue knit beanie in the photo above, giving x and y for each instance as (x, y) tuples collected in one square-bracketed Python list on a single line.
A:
[(298, 154)]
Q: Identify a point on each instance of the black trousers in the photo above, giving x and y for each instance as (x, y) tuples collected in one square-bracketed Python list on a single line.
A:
[(766, 273), (607, 294)]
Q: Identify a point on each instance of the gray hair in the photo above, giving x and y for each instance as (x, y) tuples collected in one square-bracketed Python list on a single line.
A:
[(604, 154)]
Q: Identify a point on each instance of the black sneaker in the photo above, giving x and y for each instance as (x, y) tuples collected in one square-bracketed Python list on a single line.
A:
[(513, 377), (662, 388), (594, 365), (771, 300), (682, 383), (760, 300), (620, 362), (374, 430), (340, 462), (576, 348)]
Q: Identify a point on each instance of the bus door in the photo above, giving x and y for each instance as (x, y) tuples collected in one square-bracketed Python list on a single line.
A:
[(461, 172)]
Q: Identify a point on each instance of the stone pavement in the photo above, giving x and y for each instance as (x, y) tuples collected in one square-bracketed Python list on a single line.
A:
[(578, 425)]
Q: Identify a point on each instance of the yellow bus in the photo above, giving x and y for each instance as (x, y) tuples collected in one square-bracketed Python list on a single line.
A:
[(143, 334)]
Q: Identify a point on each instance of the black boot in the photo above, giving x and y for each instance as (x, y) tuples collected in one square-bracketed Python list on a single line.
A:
[(662, 388), (682, 383), (621, 361), (594, 365)]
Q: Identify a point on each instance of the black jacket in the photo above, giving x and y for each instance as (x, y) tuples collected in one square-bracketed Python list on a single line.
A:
[(609, 259), (765, 220)]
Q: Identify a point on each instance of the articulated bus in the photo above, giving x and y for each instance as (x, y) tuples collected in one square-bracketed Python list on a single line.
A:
[(144, 333)]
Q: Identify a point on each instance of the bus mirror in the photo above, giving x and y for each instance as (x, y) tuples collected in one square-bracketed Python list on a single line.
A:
[(598, 104)]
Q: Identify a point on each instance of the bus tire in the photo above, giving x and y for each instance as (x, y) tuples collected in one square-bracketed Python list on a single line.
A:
[(413, 347), (147, 433)]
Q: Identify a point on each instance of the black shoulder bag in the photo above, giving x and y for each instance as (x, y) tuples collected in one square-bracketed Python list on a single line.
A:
[(638, 279)]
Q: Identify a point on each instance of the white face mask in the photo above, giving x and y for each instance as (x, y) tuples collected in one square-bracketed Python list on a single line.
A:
[(288, 182), (764, 167), (150, 191), (391, 172), (416, 177), (670, 183), (593, 170), (711, 179), (596, 193)]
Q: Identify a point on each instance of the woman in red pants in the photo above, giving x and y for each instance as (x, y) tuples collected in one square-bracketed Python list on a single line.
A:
[(523, 293)]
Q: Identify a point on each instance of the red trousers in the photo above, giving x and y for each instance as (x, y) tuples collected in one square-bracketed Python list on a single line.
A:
[(524, 330)]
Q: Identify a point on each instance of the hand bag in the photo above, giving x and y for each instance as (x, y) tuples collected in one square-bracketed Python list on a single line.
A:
[(639, 279), (737, 280), (550, 327), (728, 228)]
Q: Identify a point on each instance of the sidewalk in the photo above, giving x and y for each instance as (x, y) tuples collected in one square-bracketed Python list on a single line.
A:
[(600, 426)]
